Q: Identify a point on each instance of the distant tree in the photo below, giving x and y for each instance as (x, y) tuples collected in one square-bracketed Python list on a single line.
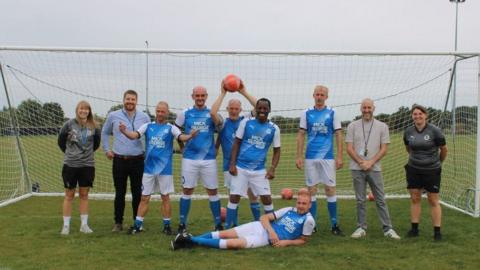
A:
[(30, 114), (115, 107), (53, 114)]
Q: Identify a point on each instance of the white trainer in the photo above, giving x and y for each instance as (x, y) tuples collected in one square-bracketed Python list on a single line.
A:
[(65, 230), (392, 234), (85, 229), (359, 233)]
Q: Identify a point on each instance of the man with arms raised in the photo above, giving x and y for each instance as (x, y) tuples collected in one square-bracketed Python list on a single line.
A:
[(226, 138)]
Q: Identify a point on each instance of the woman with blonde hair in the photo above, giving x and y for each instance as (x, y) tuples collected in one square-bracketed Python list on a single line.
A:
[(78, 139)]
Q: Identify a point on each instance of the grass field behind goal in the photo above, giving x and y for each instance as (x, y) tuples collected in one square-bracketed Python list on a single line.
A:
[(30, 239)]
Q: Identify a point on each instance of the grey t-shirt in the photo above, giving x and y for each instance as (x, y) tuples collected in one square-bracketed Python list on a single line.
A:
[(79, 144), (373, 133), (424, 146)]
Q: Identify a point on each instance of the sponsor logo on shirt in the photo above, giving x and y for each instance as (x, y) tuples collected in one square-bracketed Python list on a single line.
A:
[(257, 141), (319, 128), (157, 142), (200, 126)]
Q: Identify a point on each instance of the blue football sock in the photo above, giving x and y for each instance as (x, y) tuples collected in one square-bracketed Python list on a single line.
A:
[(231, 218), (255, 208), (166, 221), (313, 210), (332, 210), (184, 209), (215, 208), (138, 223), (214, 243), (207, 235)]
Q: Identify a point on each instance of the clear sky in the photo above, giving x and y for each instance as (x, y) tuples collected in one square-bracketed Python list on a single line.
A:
[(286, 25)]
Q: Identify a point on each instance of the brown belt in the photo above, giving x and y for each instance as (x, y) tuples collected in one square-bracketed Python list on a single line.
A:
[(128, 157)]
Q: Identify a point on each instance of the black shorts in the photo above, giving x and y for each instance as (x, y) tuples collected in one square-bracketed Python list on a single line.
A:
[(83, 176), (424, 179)]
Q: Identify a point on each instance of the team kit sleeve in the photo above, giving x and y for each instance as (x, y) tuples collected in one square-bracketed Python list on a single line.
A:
[(336, 121), (303, 120), (280, 212), (308, 226), (142, 129), (241, 129), (276, 137), (180, 121), (176, 132)]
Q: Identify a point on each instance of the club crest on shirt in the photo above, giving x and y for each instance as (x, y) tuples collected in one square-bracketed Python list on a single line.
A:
[(426, 137)]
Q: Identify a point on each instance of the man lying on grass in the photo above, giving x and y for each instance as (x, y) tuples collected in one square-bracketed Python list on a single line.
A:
[(285, 227)]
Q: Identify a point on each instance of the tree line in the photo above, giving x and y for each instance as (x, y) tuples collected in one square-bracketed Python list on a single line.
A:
[(35, 118)]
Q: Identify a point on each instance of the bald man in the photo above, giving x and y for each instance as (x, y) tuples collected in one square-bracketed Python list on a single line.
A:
[(199, 155), (226, 137), (367, 140)]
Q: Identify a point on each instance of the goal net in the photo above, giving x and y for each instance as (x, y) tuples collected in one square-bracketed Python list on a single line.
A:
[(43, 87)]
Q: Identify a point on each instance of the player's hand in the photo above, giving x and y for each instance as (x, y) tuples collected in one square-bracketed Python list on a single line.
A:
[(242, 90), (279, 244), (299, 163), (222, 88), (193, 133), (366, 165), (270, 174), (109, 155), (233, 170), (273, 237), (122, 127), (338, 163)]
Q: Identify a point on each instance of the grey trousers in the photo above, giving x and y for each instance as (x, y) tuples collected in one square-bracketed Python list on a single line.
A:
[(375, 181)]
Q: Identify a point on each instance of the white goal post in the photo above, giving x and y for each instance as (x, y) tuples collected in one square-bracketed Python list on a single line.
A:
[(41, 86)]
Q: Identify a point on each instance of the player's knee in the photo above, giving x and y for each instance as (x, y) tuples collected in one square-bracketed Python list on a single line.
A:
[(145, 199), (313, 190), (234, 198), (211, 192), (266, 199), (330, 191), (165, 198), (188, 191)]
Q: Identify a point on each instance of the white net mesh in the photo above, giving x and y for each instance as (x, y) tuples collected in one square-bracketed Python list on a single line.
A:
[(44, 87)]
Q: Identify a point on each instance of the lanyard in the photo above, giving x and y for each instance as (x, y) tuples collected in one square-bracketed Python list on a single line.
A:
[(84, 134), (132, 122), (365, 151)]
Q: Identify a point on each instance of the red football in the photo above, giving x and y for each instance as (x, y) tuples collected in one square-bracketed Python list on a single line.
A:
[(287, 193), (370, 196), (231, 83)]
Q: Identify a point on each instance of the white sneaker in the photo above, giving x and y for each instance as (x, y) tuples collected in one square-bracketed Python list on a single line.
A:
[(85, 229), (359, 233), (65, 230), (392, 234)]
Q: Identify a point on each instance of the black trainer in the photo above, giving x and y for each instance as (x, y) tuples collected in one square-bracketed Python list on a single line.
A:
[(167, 230), (336, 231), (437, 237), (134, 230), (181, 228), (219, 227), (412, 233)]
